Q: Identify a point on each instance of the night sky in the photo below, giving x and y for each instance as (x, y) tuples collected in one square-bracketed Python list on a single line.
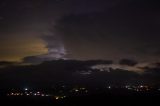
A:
[(43, 42), (39, 30)]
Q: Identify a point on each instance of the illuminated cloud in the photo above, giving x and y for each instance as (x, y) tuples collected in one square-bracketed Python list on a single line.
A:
[(54, 43)]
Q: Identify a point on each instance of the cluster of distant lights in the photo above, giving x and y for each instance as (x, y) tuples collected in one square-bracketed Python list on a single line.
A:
[(36, 94), (59, 97), (135, 88), (78, 90), (139, 88), (74, 90), (28, 93)]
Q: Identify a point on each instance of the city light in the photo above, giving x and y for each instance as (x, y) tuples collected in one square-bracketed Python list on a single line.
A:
[(109, 87), (77, 91), (56, 97), (26, 89)]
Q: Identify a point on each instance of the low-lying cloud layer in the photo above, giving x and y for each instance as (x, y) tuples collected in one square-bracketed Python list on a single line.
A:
[(75, 72)]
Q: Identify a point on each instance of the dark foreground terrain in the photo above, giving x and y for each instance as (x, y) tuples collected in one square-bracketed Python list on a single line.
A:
[(96, 100)]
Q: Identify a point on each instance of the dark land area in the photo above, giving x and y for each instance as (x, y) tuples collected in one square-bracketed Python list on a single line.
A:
[(82, 101), (112, 97)]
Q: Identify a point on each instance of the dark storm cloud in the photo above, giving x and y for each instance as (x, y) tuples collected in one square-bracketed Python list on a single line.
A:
[(157, 64), (127, 30), (128, 62), (19, 17), (33, 59), (84, 29), (56, 41)]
